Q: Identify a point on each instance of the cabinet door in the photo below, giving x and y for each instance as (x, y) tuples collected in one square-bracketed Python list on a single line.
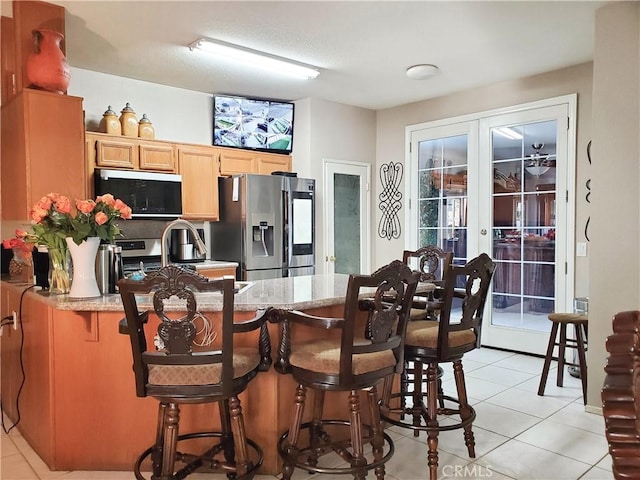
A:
[(199, 169), (157, 156), (115, 152), (41, 153), (268, 163), (237, 161)]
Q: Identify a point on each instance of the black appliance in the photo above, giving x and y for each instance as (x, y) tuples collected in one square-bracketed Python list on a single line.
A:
[(149, 194)]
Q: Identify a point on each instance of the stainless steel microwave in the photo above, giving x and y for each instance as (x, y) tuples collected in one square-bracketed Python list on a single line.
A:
[(149, 194)]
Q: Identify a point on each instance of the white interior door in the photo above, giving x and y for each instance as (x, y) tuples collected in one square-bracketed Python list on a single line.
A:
[(347, 213), (529, 232)]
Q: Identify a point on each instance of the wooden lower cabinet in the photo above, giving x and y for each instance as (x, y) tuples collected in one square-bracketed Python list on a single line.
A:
[(199, 169)]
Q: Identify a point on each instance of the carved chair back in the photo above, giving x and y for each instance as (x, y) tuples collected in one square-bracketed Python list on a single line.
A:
[(432, 262), (463, 309), (171, 292), (385, 296)]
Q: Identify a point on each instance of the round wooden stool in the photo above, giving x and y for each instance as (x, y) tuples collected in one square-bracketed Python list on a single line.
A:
[(560, 321)]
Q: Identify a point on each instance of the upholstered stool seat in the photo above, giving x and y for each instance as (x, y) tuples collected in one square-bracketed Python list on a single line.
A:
[(560, 321)]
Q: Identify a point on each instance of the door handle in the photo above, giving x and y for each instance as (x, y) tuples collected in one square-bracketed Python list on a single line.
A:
[(331, 258)]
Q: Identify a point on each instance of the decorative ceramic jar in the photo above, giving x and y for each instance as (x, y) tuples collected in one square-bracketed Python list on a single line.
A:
[(129, 122), (47, 67), (110, 123), (145, 128)]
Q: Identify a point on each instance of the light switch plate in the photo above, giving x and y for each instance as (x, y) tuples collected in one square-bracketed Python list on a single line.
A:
[(581, 249)]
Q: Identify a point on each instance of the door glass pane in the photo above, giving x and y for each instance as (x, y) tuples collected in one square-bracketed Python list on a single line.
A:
[(442, 194), (346, 223), (524, 203)]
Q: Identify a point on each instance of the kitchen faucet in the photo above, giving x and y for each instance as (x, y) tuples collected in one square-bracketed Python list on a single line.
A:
[(202, 249)]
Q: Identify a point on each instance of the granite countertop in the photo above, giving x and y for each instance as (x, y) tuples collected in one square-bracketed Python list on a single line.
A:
[(299, 293)]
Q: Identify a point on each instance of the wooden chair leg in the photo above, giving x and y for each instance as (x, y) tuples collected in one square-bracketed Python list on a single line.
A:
[(465, 408), (355, 423), (156, 454), (227, 435), (582, 359), (377, 439), (171, 421), (548, 357), (294, 431), (316, 433), (418, 402), (561, 353), (432, 420), (243, 463)]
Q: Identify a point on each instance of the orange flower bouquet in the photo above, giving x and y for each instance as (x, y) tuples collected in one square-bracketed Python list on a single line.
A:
[(53, 221)]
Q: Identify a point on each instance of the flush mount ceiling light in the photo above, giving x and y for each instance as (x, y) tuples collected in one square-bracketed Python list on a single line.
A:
[(255, 58), (422, 71)]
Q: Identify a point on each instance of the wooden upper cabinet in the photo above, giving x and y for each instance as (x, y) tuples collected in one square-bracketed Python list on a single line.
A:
[(41, 153), (131, 153), (157, 156), (234, 161), (198, 166), (116, 152), (271, 162)]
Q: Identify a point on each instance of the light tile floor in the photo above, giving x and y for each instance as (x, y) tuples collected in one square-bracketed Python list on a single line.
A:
[(519, 435)]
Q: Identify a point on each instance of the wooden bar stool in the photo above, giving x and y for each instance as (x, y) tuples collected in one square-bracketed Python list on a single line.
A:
[(559, 322)]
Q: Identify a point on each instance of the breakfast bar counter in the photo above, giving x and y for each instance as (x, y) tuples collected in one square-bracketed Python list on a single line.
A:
[(78, 408)]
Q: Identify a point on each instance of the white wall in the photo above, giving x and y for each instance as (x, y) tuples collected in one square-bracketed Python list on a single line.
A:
[(177, 114), (615, 246), (335, 132)]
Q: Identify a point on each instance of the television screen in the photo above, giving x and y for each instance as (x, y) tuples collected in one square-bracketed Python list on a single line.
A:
[(253, 123)]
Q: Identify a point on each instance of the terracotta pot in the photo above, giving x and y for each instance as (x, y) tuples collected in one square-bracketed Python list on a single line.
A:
[(47, 67)]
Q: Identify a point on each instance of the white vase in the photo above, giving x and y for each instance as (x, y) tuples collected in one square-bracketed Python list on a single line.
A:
[(83, 258)]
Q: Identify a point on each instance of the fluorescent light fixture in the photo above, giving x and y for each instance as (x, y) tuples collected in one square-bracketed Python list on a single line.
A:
[(255, 58), (509, 133)]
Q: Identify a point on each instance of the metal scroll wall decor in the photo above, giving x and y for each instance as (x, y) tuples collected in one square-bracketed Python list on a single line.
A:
[(588, 186), (390, 200)]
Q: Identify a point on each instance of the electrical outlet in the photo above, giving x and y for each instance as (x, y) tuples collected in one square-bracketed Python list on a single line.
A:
[(581, 249), (15, 320)]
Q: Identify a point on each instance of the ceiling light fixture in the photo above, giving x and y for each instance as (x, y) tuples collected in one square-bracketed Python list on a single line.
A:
[(509, 133), (422, 71), (539, 163), (255, 58)]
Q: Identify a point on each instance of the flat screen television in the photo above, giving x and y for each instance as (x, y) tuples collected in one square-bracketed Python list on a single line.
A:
[(253, 123)]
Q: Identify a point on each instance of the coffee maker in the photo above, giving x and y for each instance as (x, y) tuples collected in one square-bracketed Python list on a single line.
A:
[(183, 246)]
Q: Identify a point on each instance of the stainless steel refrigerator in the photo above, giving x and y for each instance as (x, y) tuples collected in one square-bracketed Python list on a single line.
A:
[(267, 225)]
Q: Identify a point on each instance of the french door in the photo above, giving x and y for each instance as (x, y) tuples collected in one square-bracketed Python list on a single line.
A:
[(502, 183), (347, 212)]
